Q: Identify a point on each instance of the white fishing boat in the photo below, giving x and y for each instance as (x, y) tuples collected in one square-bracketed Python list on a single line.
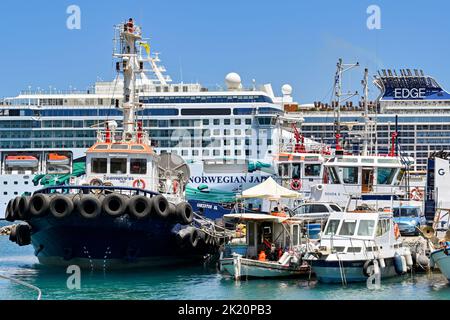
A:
[(274, 241), (357, 245)]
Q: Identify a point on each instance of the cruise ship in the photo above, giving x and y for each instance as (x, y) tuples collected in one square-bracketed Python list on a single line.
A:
[(410, 103), (44, 135)]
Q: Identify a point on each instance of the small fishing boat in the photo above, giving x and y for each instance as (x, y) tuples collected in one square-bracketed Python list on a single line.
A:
[(57, 159), (22, 161), (271, 248), (356, 245), (274, 239)]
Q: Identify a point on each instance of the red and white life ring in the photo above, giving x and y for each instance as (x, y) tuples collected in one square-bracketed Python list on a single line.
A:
[(296, 184), (139, 183), (416, 194)]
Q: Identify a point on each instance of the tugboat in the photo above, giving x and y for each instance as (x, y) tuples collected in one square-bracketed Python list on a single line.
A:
[(128, 210)]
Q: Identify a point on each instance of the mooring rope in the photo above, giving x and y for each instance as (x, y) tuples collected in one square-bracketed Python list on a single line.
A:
[(24, 284)]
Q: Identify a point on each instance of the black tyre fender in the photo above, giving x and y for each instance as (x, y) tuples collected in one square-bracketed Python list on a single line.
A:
[(140, 207), (39, 204), (23, 235), (161, 207), (13, 234), (15, 206), (9, 214), (115, 205), (88, 206), (23, 209), (194, 238), (184, 212), (61, 206)]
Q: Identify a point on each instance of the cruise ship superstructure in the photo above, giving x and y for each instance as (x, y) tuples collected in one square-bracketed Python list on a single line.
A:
[(210, 127)]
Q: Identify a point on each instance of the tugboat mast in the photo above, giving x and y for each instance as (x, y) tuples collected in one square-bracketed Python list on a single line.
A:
[(129, 65)]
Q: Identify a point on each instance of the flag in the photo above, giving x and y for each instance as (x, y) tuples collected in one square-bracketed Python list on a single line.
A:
[(146, 46)]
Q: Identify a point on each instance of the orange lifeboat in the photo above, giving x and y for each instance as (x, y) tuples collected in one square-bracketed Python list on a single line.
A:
[(21, 161), (58, 159)]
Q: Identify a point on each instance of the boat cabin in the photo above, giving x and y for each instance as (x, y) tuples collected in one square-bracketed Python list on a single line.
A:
[(126, 164), (358, 232), (299, 171), (271, 234)]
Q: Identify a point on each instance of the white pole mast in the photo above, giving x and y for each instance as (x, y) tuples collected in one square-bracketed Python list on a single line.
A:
[(129, 34)]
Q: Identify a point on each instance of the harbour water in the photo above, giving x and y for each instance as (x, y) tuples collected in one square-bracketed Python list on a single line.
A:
[(193, 283)]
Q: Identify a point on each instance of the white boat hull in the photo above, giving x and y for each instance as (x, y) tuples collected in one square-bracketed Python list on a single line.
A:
[(442, 261), (258, 269)]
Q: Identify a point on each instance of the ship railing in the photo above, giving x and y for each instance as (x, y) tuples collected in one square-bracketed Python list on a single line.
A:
[(96, 190)]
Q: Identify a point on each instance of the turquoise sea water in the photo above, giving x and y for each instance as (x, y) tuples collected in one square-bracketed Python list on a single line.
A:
[(194, 282)]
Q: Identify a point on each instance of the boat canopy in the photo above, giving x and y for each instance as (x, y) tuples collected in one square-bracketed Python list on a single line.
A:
[(269, 189), (254, 217)]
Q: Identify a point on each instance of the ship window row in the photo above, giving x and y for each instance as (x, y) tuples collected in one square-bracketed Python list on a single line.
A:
[(147, 112), (118, 166), (205, 99)]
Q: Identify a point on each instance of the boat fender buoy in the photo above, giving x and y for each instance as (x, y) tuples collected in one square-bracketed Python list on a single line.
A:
[(409, 260), (382, 263), (404, 265), (139, 183), (398, 264)]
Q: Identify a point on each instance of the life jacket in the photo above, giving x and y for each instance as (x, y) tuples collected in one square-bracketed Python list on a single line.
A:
[(262, 256)]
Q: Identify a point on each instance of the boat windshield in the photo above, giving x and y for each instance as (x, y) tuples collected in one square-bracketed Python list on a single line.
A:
[(406, 212), (386, 175), (332, 227), (366, 228), (348, 228)]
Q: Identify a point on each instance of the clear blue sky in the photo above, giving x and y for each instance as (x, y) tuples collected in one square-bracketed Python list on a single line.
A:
[(295, 42)]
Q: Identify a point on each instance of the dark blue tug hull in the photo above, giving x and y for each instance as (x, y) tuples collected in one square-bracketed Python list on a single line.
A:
[(108, 243)]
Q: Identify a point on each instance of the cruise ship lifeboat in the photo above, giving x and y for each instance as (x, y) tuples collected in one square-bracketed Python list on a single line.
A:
[(58, 159), (21, 161)]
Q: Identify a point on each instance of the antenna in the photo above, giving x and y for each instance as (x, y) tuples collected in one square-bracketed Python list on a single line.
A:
[(341, 69)]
